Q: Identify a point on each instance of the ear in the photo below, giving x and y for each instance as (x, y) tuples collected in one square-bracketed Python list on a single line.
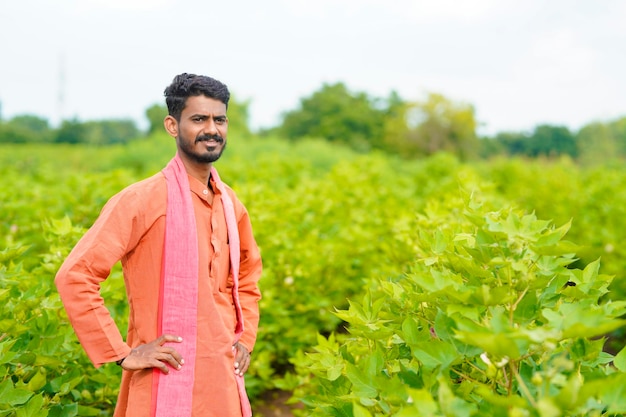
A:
[(171, 125)]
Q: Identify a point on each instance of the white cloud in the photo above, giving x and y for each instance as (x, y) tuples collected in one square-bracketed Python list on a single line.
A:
[(124, 5)]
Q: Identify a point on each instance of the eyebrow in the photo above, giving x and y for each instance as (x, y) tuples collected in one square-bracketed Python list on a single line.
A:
[(206, 116)]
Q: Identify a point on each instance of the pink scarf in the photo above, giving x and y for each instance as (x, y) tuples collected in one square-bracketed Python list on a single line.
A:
[(179, 291)]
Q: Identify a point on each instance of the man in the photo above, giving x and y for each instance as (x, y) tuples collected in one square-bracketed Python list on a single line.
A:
[(191, 268)]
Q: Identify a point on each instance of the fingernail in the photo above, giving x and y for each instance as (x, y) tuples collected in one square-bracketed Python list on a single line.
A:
[(182, 361), (180, 339), (236, 364)]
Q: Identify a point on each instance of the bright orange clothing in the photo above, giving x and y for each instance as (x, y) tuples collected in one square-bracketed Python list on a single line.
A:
[(131, 228)]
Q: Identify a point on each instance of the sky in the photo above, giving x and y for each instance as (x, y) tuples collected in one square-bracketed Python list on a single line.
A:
[(519, 63)]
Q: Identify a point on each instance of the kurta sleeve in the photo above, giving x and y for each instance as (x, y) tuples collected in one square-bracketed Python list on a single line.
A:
[(249, 274), (116, 231)]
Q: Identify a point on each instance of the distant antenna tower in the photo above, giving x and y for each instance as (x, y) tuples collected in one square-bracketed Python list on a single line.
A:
[(61, 93)]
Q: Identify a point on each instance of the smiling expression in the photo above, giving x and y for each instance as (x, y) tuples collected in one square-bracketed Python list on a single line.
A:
[(201, 131)]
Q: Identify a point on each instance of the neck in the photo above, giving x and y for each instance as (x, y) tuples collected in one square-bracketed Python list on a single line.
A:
[(199, 171)]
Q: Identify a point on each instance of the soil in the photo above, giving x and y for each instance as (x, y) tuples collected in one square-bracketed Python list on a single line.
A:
[(273, 404)]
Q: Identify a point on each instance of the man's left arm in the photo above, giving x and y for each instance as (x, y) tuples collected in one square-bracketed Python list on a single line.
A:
[(250, 269)]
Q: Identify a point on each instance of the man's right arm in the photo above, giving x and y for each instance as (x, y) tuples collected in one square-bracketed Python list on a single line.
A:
[(89, 263)]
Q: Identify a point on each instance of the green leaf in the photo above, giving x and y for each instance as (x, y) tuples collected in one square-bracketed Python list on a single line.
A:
[(421, 403), (547, 408), (360, 411), (553, 237), (374, 362), (451, 405), (37, 381), (435, 354), (361, 383), (410, 331), (72, 410), (334, 372), (620, 360), (33, 408), (570, 395), (498, 345), (410, 377), (440, 243), (580, 320), (11, 395), (613, 394)]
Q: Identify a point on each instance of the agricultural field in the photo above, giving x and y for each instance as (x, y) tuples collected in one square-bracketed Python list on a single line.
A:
[(390, 287)]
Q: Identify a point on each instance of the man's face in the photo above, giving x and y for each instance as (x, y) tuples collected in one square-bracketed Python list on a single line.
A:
[(202, 129)]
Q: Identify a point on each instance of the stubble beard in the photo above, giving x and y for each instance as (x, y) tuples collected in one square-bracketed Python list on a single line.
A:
[(203, 158)]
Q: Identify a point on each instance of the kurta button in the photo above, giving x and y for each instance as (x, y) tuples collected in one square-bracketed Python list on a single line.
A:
[(205, 192)]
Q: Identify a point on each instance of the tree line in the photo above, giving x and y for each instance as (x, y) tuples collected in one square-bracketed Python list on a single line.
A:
[(34, 129), (410, 129), (29, 128), (421, 128)]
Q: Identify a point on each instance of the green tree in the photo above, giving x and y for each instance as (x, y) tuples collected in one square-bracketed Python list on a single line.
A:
[(548, 140), (396, 128), (618, 132), (31, 123), (337, 115), (107, 132), (9, 134), (239, 116), (513, 143), (596, 143), (544, 140), (70, 131), (96, 132), (434, 125), (155, 115), (489, 147), (25, 128)]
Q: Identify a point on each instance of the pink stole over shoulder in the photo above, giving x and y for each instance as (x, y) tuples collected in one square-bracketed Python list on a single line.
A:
[(178, 304)]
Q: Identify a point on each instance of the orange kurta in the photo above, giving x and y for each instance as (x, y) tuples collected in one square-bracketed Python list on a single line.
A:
[(131, 228)]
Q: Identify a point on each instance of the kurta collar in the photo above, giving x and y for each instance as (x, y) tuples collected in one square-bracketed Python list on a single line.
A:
[(202, 190)]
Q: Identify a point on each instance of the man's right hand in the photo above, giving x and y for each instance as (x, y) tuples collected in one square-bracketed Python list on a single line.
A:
[(155, 355)]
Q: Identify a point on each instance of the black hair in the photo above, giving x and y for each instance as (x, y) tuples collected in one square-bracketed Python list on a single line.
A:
[(187, 85)]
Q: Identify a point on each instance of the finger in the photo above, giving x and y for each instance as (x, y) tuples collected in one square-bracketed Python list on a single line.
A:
[(241, 349), (243, 366), (174, 359), (169, 350), (161, 366), (134, 362), (239, 356), (168, 338), (242, 359), (153, 355)]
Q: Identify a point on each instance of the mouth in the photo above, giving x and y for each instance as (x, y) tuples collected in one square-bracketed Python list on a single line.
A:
[(216, 140), (210, 142)]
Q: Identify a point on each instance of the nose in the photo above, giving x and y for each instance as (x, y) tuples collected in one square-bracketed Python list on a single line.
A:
[(211, 127)]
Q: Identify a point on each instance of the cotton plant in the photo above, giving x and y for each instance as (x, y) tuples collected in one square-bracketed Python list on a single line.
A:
[(492, 320)]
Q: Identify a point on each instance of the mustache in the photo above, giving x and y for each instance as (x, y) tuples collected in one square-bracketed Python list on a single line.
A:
[(204, 138)]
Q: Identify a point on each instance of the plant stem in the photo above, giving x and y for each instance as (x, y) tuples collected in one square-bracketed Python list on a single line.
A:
[(522, 385)]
